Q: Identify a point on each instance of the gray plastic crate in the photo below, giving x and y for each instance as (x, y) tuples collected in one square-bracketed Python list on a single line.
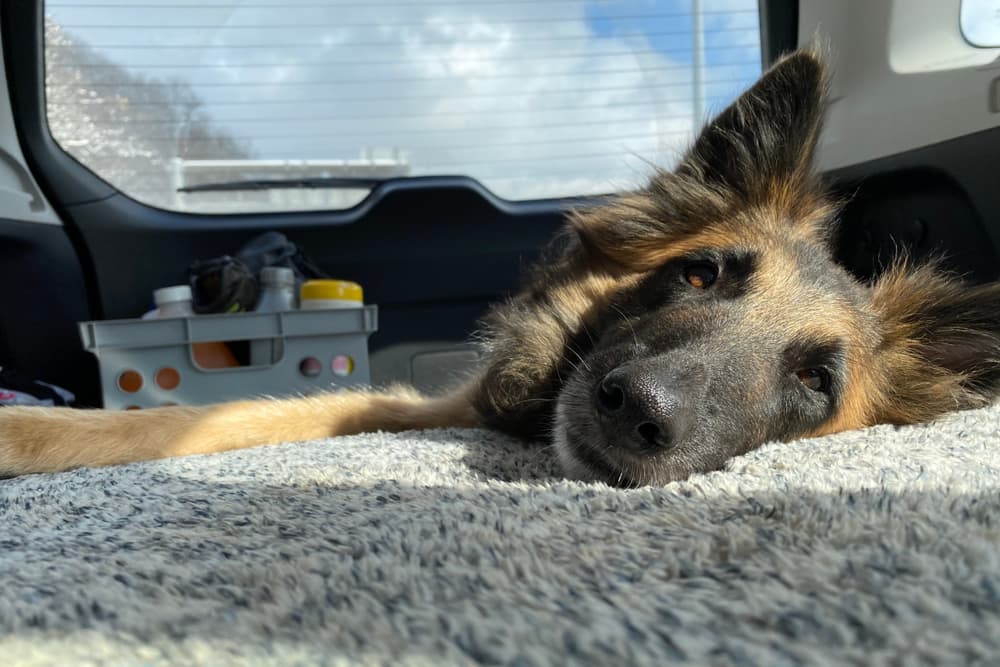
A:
[(148, 347)]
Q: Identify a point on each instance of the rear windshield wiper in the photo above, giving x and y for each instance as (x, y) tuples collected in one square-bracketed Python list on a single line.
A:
[(333, 182)]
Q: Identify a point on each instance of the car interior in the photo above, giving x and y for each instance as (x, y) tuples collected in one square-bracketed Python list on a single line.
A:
[(218, 199)]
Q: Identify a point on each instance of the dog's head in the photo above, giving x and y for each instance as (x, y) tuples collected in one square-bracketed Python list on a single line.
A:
[(732, 326)]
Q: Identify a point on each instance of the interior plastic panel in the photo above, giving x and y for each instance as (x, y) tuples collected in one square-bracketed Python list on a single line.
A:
[(937, 201), (411, 244), (42, 299)]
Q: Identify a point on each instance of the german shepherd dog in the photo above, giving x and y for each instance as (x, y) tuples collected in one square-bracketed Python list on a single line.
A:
[(667, 331)]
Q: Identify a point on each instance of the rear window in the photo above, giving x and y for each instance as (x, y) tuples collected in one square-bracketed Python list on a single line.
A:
[(533, 98)]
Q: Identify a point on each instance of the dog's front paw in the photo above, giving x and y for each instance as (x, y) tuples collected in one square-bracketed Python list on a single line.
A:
[(515, 398)]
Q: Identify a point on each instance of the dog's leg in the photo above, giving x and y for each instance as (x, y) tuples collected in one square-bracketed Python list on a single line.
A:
[(36, 439), (533, 342)]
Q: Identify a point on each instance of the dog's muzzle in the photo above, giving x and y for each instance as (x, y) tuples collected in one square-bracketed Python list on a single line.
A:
[(647, 410)]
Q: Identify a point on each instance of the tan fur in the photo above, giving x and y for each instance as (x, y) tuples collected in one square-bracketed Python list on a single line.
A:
[(50, 439), (917, 382), (805, 220)]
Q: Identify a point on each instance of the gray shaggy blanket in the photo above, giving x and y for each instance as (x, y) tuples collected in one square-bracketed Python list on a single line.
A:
[(460, 547)]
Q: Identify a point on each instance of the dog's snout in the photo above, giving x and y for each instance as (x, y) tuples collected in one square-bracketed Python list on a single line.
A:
[(643, 410)]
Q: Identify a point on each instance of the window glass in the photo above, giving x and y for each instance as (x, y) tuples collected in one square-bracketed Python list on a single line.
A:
[(533, 98), (980, 22)]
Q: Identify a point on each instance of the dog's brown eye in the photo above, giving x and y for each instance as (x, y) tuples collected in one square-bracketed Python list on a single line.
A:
[(701, 275), (816, 379)]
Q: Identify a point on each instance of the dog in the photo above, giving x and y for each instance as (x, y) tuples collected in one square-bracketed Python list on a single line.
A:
[(665, 331)]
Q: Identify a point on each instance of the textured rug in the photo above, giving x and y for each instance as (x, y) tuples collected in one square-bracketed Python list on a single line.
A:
[(459, 547)]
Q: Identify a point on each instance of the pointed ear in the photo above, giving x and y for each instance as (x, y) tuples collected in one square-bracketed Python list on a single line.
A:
[(764, 142), (757, 152), (941, 342)]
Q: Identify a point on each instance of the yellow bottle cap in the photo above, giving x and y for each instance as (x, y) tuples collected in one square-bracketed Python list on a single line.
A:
[(331, 289)]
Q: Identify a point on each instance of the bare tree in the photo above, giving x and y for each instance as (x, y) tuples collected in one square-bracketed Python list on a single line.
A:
[(125, 127)]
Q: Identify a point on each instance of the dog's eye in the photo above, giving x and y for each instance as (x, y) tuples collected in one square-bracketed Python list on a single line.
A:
[(816, 379), (701, 275)]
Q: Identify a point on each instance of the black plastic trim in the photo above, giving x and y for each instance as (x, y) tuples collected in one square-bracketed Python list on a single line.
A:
[(948, 189), (779, 29), (43, 300)]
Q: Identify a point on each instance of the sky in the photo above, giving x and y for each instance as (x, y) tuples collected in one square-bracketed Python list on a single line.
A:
[(535, 98)]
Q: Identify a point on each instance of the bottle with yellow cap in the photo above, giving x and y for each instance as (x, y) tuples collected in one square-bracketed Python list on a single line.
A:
[(321, 294)]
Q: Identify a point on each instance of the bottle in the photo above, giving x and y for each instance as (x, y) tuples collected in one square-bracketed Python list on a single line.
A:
[(277, 294), (175, 301), (277, 290), (321, 294)]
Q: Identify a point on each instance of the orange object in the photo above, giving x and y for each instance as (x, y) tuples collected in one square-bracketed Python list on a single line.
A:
[(213, 355)]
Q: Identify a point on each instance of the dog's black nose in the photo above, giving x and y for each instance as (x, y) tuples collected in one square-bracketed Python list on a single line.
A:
[(642, 410)]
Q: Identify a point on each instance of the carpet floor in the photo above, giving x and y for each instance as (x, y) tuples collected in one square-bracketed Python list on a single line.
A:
[(456, 547)]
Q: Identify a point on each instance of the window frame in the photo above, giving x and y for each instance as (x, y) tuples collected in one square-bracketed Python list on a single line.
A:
[(68, 182)]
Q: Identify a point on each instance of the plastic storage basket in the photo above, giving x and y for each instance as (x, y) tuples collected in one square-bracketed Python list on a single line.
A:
[(149, 363)]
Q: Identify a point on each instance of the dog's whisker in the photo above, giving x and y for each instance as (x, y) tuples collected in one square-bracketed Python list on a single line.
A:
[(574, 366), (586, 330), (578, 356), (628, 321), (569, 362)]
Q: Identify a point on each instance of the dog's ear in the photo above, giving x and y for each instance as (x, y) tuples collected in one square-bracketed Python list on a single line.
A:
[(757, 153), (940, 350), (759, 150)]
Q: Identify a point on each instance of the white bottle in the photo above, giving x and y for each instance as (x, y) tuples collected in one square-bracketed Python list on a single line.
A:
[(173, 301), (277, 294)]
